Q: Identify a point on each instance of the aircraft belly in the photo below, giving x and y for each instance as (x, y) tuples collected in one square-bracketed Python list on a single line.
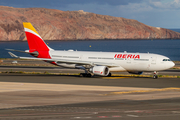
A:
[(65, 65), (117, 69), (137, 66), (156, 67)]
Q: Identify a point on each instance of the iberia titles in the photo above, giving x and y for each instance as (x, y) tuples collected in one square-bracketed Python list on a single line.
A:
[(127, 56)]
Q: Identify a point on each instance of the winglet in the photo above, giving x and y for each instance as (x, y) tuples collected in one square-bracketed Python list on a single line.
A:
[(13, 55)]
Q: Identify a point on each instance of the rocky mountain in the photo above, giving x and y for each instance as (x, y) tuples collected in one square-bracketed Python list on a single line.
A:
[(54, 24)]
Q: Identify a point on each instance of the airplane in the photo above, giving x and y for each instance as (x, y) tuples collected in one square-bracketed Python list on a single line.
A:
[(93, 63)]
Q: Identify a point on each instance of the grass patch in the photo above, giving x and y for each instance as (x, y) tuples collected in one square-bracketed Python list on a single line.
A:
[(46, 72), (160, 75)]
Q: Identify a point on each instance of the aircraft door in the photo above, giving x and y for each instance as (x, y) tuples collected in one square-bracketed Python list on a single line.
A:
[(153, 60), (80, 57)]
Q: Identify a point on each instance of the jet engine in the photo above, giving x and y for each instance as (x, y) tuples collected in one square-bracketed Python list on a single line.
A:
[(100, 70), (135, 72)]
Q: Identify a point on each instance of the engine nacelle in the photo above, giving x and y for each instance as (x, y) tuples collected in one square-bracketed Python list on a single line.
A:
[(100, 70), (135, 72)]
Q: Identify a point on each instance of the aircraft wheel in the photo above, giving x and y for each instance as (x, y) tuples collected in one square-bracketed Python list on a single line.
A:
[(81, 75), (109, 75), (85, 75), (155, 77), (89, 75)]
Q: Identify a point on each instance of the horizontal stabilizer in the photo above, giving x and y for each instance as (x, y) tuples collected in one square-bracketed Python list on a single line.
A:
[(16, 50), (31, 53), (12, 55)]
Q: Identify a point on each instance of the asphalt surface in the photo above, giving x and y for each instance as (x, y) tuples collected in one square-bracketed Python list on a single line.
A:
[(94, 81), (120, 109)]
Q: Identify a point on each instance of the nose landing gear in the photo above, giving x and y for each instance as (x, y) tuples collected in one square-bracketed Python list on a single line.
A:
[(155, 75)]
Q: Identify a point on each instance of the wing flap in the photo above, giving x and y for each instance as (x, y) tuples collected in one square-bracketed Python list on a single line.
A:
[(12, 55)]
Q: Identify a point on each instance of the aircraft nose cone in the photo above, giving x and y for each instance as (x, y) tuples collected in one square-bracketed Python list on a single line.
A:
[(171, 64)]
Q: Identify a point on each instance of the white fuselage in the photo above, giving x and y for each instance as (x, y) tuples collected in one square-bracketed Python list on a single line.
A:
[(120, 61)]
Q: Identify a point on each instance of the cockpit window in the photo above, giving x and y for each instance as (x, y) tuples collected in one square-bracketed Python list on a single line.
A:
[(166, 60)]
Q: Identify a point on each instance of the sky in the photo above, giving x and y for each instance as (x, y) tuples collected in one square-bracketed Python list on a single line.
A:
[(157, 13)]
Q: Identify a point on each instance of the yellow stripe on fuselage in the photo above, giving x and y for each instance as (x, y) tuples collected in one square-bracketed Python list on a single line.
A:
[(28, 25)]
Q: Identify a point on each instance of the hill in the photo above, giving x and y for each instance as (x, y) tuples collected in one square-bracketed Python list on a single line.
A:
[(75, 25)]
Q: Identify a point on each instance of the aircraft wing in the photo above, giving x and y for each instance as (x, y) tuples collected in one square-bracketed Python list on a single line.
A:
[(67, 61)]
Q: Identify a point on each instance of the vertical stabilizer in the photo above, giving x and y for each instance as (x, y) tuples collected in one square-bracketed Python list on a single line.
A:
[(35, 42)]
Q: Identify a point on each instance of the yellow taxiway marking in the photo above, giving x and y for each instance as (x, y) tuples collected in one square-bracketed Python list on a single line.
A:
[(143, 91)]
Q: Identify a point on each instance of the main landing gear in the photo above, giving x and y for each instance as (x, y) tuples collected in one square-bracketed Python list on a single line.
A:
[(90, 75), (109, 75), (85, 75), (155, 75)]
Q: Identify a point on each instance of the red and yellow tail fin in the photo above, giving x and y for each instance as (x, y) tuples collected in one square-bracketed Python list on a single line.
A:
[(35, 42)]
